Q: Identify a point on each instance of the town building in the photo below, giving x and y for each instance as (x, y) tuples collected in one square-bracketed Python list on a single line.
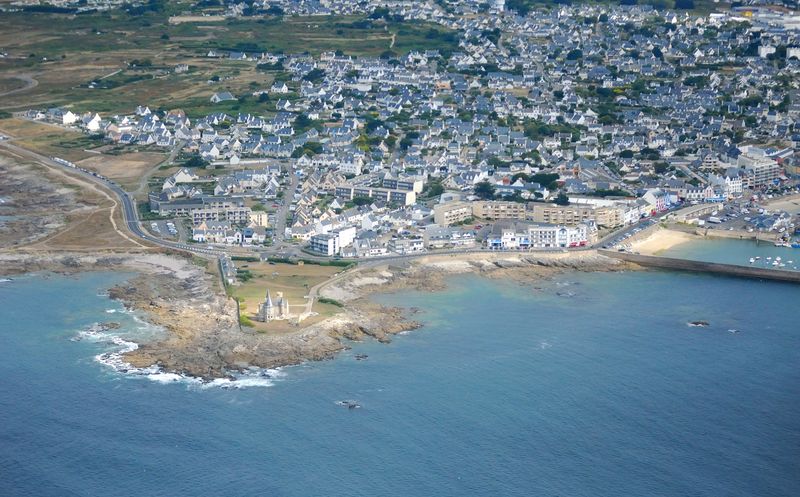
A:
[(494, 210), (452, 213), (525, 236)]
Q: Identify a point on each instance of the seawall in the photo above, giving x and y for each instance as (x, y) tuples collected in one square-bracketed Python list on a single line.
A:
[(706, 267), (737, 235)]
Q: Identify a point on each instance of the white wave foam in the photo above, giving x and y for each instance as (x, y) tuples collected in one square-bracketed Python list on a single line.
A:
[(114, 360), (166, 377)]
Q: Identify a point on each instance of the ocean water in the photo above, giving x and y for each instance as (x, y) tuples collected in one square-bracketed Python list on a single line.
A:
[(590, 385), (731, 251)]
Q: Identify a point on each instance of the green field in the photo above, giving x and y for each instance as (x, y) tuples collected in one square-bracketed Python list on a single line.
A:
[(57, 35)]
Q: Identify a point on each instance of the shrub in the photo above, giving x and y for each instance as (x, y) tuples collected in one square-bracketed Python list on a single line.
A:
[(326, 300)]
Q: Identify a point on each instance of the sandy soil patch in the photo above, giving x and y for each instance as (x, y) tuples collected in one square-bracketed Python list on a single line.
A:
[(183, 19), (126, 169), (790, 204)]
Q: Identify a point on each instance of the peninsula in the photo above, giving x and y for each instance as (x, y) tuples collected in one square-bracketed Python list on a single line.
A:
[(261, 169)]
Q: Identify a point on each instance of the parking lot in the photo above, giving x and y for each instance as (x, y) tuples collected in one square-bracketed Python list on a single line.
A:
[(621, 241), (766, 214), (163, 229)]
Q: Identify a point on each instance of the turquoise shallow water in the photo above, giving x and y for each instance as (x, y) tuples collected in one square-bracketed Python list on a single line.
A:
[(737, 252), (592, 385)]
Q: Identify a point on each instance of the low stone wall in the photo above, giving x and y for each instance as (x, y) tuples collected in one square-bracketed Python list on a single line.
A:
[(706, 267), (736, 234)]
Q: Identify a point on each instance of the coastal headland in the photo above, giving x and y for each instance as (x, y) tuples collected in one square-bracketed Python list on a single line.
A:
[(204, 338)]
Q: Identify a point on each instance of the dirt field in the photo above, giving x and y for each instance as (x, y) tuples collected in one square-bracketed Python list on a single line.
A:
[(294, 281), (11, 84), (48, 139), (126, 169)]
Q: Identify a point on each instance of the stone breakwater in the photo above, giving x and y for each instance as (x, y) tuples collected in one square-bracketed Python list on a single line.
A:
[(707, 267)]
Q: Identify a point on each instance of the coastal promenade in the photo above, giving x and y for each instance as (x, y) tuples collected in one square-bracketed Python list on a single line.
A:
[(705, 267)]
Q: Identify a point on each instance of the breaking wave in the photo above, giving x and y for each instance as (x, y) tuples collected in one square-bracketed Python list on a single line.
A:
[(119, 346)]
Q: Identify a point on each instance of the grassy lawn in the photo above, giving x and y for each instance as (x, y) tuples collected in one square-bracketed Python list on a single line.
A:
[(293, 280)]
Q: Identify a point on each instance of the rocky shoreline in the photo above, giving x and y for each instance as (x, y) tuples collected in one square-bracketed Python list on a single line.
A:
[(204, 338)]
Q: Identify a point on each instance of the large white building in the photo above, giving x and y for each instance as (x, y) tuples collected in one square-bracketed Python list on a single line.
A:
[(332, 243), (525, 236), (760, 169)]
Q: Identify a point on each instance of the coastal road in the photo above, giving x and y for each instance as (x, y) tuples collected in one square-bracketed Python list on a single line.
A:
[(129, 210), (133, 225)]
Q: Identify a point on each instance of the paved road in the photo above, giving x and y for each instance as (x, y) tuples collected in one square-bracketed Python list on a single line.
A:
[(129, 211), (283, 212)]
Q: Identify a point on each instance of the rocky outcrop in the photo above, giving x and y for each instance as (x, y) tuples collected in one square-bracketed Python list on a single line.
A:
[(204, 338)]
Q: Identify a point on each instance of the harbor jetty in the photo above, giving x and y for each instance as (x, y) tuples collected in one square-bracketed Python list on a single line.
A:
[(705, 267)]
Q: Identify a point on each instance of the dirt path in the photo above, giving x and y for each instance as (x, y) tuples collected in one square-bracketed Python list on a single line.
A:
[(29, 84), (142, 188)]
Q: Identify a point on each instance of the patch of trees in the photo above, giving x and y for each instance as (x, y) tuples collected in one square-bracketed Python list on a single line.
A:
[(616, 192), (751, 101), (547, 180), (698, 81), (264, 66), (195, 160), (535, 130), (314, 75), (485, 190), (433, 188), (49, 9), (561, 199), (575, 54), (359, 201), (310, 149), (385, 14)]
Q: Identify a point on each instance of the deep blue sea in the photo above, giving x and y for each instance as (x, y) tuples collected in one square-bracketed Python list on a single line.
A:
[(591, 385)]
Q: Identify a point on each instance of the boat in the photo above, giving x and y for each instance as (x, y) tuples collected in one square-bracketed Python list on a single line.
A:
[(752, 260), (350, 404), (796, 245), (6, 280), (775, 263)]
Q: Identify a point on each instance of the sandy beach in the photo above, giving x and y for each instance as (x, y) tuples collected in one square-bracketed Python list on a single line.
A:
[(662, 240)]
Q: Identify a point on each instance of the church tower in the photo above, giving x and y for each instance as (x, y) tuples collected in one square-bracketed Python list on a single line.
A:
[(266, 311), (270, 310)]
